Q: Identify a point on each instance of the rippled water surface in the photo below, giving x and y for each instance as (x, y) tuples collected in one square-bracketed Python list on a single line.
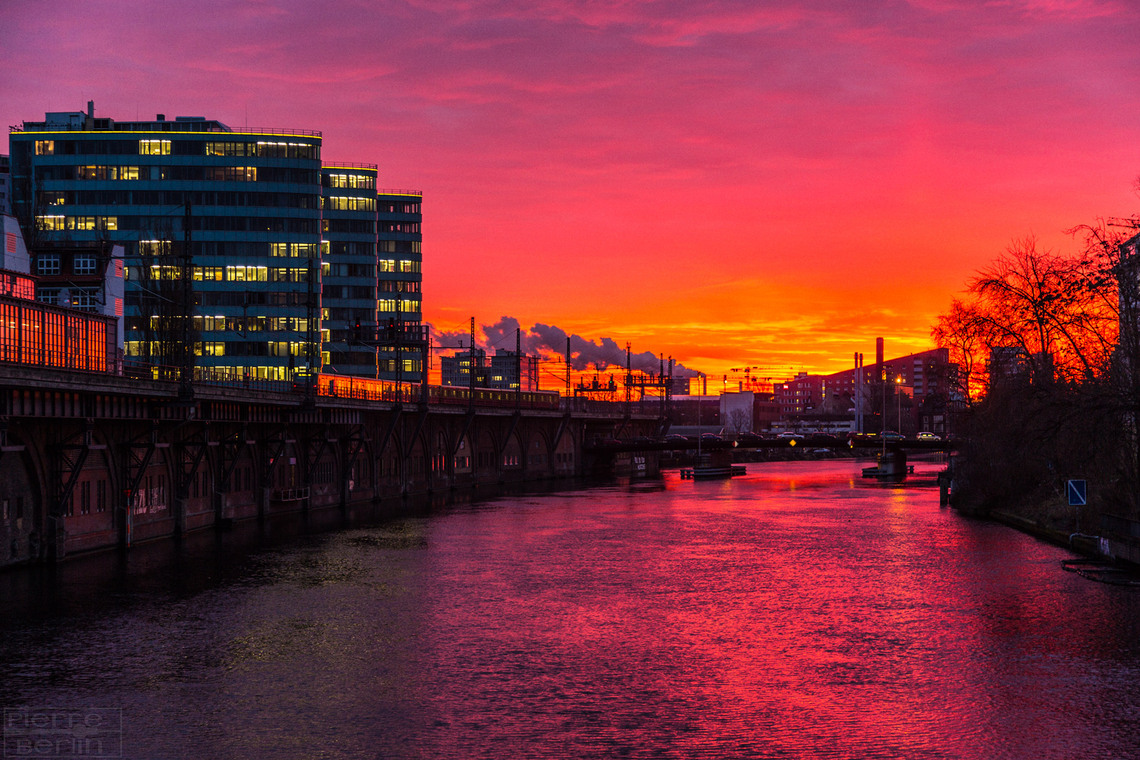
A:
[(796, 612)]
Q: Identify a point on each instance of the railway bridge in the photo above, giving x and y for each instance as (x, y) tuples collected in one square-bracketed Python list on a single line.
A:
[(92, 460)]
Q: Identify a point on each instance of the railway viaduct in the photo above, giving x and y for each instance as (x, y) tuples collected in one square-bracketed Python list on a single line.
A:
[(94, 461)]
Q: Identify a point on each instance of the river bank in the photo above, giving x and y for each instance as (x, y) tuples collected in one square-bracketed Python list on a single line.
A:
[(1085, 530)]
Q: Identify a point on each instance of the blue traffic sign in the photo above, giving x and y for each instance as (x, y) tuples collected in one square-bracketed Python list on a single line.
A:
[(1078, 493)]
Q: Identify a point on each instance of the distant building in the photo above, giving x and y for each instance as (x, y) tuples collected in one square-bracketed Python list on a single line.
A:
[(801, 394), (5, 185), (457, 369), (502, 371), (925, 381), (927, 373)]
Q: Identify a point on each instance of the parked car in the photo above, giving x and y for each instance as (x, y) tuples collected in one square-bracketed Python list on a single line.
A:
[(822, 439), (789, 435), (710, 437), (677, 438), (926, 435), (891, 435)]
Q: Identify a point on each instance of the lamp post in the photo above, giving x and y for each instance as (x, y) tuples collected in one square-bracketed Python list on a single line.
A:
[(898, 392)]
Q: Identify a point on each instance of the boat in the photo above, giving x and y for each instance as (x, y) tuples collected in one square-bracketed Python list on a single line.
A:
[(713, 472), (892, 466), (708, 469)]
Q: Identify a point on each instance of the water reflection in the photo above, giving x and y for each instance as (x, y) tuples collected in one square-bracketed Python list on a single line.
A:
[(799, 611)]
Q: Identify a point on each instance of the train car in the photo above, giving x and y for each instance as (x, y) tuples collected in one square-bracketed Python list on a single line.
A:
[(366, 389)]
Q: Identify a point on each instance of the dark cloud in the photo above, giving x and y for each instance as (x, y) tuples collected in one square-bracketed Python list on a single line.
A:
[(548, 340)]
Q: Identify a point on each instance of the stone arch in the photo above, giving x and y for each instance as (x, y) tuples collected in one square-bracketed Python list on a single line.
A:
[(463, 461), (511, 458), (418, 461), (323, 476), (240, 497), (89, 514), (287, 489), (198, 506), (536, 457), (359, 474), (389, 468), (21, 500), (441, 463), (563, 458), (486, 454), (149, 508)]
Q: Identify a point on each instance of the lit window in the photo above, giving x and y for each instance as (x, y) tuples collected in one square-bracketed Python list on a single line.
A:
[(45, 147), (154, 147), (52, 222), (85, 298)]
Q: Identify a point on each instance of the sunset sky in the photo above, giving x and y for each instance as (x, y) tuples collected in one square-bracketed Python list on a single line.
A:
[(772, 184)]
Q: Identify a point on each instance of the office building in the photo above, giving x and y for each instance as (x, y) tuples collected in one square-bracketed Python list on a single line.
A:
[(243, 216), (371, 262)]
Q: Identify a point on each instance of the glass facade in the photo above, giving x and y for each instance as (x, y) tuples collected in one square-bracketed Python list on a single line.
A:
[(348, 278), (399, 260), (248, 205), (371, 281), (282, 264)]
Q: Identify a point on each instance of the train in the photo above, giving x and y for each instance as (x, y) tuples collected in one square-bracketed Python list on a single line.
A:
[(366, 389)]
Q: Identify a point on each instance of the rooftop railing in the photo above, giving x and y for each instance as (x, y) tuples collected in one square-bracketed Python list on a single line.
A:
[(215, 127), (347, 165)]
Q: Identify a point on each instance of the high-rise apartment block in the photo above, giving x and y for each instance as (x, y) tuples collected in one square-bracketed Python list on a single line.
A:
[(283, 256)]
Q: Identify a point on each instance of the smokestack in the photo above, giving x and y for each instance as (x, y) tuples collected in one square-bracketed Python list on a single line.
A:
[(90, 109), (879, 356)]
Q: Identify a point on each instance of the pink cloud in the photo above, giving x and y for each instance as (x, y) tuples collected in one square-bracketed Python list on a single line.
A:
[(600, 163)]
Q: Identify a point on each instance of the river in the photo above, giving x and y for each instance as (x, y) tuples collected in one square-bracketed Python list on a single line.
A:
[(798, 611)]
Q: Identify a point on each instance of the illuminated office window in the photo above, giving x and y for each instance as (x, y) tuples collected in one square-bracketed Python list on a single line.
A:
[(154, 247), (348, 203), (45, 147), (154, 147), (246, 274), (51, 222)]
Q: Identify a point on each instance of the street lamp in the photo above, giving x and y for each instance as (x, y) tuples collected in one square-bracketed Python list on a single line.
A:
[(898, 392)]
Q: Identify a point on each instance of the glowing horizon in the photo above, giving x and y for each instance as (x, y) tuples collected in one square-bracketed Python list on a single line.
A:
[(728, 184)]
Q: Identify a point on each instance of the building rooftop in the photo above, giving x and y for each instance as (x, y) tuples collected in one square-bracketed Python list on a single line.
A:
[(80, 121)]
